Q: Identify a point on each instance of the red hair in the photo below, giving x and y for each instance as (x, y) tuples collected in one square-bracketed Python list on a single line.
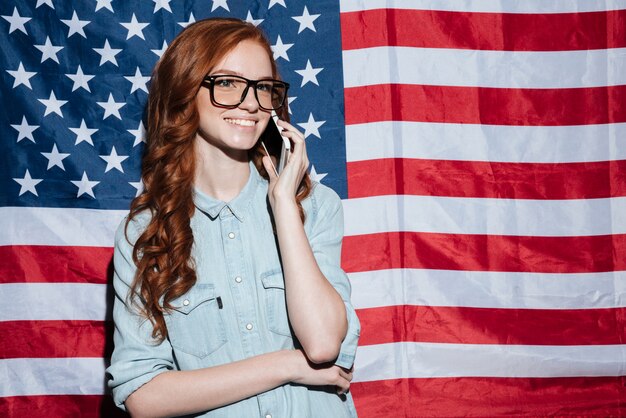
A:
[(162, 253)]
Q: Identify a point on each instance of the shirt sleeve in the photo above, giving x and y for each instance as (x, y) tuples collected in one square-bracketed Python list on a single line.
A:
[(136, 358), (325, 237)]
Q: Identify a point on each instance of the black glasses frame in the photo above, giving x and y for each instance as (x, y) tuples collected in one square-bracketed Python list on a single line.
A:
[(210, 80)]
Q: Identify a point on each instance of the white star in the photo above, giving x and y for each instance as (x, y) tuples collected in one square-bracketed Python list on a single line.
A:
[(80, 80), (280, 49), (161, 51), (46, 2), (55, 158), (255, 22), (139, 134), (106, 4), (311, 127), (114, 161), (309, 74), (27, 184), (25, 130), (134, 28), (220, 3), (162, 4), (83, 133), (53, 105), (49, 51), (273, 2), (306, 20), (21, 76), (111, 107), (189, 22), (138, 81), (107, 53), (137, 185), (17, 22), (289, 100), (85, 186), (76, 26), (315, 176)]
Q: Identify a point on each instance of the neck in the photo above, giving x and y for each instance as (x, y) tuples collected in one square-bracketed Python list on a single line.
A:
[(220, 174)]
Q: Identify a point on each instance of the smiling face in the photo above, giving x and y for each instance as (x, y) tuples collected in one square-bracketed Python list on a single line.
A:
[(235, 131)]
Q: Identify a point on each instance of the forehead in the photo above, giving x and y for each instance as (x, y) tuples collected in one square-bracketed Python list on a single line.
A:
[(248, 59)]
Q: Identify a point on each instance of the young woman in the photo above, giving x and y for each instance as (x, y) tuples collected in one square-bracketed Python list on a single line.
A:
[(230, 301)]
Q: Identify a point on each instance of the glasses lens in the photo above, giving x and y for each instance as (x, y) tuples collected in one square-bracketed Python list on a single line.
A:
[(271, 94), (227, 90)]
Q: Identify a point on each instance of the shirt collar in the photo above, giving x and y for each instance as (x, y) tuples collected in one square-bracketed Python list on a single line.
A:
[(214, 208)]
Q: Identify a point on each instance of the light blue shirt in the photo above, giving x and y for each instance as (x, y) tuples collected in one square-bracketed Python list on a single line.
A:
[(237, 308)]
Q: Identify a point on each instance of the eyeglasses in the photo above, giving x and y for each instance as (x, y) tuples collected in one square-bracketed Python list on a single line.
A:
[(231, 91)]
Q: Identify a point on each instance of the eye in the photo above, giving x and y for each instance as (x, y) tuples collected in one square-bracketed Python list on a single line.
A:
[(266, 87), (226, 82)]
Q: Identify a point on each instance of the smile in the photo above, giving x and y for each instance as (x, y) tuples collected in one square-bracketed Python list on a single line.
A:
[(240, 122)]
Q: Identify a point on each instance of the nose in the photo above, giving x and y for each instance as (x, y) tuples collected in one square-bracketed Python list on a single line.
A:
[(249, 101)]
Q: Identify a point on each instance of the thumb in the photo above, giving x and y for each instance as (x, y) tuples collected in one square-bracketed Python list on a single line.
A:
[(269, 167)]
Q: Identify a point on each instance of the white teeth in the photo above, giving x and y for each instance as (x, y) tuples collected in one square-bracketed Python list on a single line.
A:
[(242, 122)]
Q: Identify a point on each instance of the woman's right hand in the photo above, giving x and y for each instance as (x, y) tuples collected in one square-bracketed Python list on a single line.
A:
[(307, 373)]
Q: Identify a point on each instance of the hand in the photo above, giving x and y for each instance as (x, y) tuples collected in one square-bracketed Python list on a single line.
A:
[(285, 186), (307, 373)]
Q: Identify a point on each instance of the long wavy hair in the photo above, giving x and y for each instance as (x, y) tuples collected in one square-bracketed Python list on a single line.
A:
[(162, 253)]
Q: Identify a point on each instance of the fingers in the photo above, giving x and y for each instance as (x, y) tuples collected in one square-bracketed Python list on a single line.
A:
[(343, 381)]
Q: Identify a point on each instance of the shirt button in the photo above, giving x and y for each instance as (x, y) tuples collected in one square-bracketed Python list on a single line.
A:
[(186, 302), (238, 279), (231, 235), (268, 416), (248, 327)]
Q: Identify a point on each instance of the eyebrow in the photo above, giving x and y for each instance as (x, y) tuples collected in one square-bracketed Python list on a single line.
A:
[(230, 72)]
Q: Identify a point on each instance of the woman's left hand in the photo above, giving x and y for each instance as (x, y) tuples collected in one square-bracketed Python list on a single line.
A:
[(283, 188)]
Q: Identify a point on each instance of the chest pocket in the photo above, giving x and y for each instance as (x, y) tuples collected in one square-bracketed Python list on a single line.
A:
[(275, 303), (195, 326)]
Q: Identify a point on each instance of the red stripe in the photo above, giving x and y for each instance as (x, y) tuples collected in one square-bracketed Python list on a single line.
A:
[(483, 31), (59, 406), (462, 325), (485, 105), (485, 179), (55, 264), (584, 254), (53, 339), (491, 397)]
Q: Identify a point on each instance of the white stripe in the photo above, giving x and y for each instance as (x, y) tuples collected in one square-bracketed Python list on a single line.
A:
[(424, 360), (470, 142), (489, 6), (52, 376), (58, 226), (480, 289), (53, 301), (505, 69), (453, 215)]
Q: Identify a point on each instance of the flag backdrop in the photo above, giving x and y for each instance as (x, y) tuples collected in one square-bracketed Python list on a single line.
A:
[(479, 147)]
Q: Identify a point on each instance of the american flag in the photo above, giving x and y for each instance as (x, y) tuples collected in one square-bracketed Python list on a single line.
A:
[(479, 147)]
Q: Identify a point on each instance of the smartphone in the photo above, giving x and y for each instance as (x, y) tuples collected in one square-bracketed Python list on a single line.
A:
[(285, 150)]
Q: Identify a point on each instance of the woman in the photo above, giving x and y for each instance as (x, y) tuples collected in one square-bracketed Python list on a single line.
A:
[(230, 301)]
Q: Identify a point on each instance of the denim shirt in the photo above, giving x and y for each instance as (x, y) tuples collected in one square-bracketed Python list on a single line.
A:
[(237, 307)]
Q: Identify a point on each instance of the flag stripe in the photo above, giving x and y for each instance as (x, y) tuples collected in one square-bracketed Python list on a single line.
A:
[(484, 252), (521, 397), (84, 406), (46, 263), (53, 376), (54, 301), (389, 361), (483, 31), (487, 6), (56, 339), (390, 213), (589, 180), (473, 142), (470, 68), (462, 325), (490, 106)]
